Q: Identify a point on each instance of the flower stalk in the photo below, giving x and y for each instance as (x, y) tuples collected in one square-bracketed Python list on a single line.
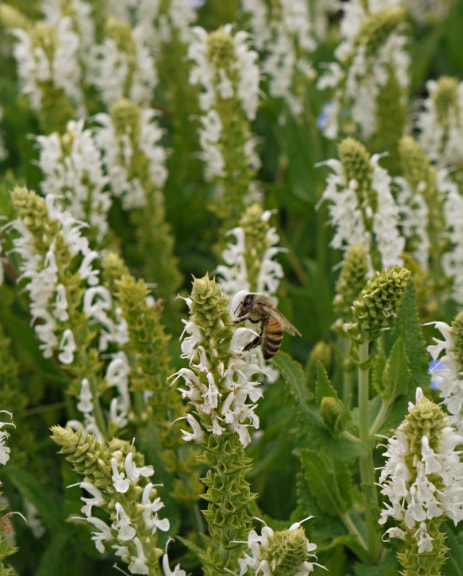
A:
[(222, 392)]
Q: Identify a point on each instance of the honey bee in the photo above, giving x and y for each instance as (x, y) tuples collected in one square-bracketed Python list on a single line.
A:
[(260, 308)]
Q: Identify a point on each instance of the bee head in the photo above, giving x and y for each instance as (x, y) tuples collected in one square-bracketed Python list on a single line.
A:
[(247, 302), (241, 304)]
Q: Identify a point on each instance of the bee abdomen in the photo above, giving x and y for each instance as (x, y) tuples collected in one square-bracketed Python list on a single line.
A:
[(272, 343)]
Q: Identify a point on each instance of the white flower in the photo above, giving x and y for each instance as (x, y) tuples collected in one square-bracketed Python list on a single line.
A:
[(118, 149), (226, 395), (414, 218), (440, 122), (197, 435), (138, 564), (85, 404), (447, 374), (351, 220), (60, 65), (120, 482), (102, 536), (359, 75), (150, 510), (233, 275), (452, 259), (421, 486), (76, 176), (96, 499), (117, 375), (4, 450), (286, 42), (123, 525), (33, 519), (113, 69), (238, 79), (67, 347), (166, 568)]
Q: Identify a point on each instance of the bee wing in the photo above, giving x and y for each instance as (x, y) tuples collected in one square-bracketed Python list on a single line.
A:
[(287, 326)]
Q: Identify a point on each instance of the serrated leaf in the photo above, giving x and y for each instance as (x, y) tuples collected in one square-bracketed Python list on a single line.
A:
[(31, 489), (294, 377), (324, 387), (408, 327), (332, 497), (397, 373)]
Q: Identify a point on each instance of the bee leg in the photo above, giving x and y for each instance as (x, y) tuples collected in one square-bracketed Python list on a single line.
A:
[(253, 343)]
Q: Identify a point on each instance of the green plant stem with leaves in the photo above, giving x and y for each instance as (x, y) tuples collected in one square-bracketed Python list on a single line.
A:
[(367, 473)]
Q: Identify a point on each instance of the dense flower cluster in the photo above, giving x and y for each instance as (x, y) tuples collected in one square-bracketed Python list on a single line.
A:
[(119, 484), (440, 122), (362, 209), (447, 373), (220, 386), (124, 144), (45, 265), (73, 172), (234, 78), (248, 262), (422, 477), (60, 66), (272, 553), (286, 27), (370, 59)]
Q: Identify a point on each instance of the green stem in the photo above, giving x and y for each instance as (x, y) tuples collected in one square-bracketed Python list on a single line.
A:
[(347, 375), (352, 528), (97, 411), (367, 474), (380, 418)]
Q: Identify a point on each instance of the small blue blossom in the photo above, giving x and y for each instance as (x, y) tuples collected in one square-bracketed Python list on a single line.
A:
[(435, 366)]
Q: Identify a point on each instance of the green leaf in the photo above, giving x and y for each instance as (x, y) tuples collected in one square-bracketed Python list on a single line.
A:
[(331, 485), (31, 489), (324, 387), (408, 326), (51, 561), (388, 567), (192, 547), (294, 377), (396, 374), (454, 564)]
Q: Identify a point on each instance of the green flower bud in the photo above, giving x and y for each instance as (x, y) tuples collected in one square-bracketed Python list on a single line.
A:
[(416, 167), (209, 309), (356, 164), (12, 18), (287, 551), (350, 283), (121, 33), (126, 117), (376, 307), (256, 231), (446, 99), (379, 26), (114, 268), (32, 210), (333, 413), (321, 352), (148, 342), (282, 553)]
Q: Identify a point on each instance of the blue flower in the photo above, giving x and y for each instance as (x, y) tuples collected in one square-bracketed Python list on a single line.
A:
[(435, 366)]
